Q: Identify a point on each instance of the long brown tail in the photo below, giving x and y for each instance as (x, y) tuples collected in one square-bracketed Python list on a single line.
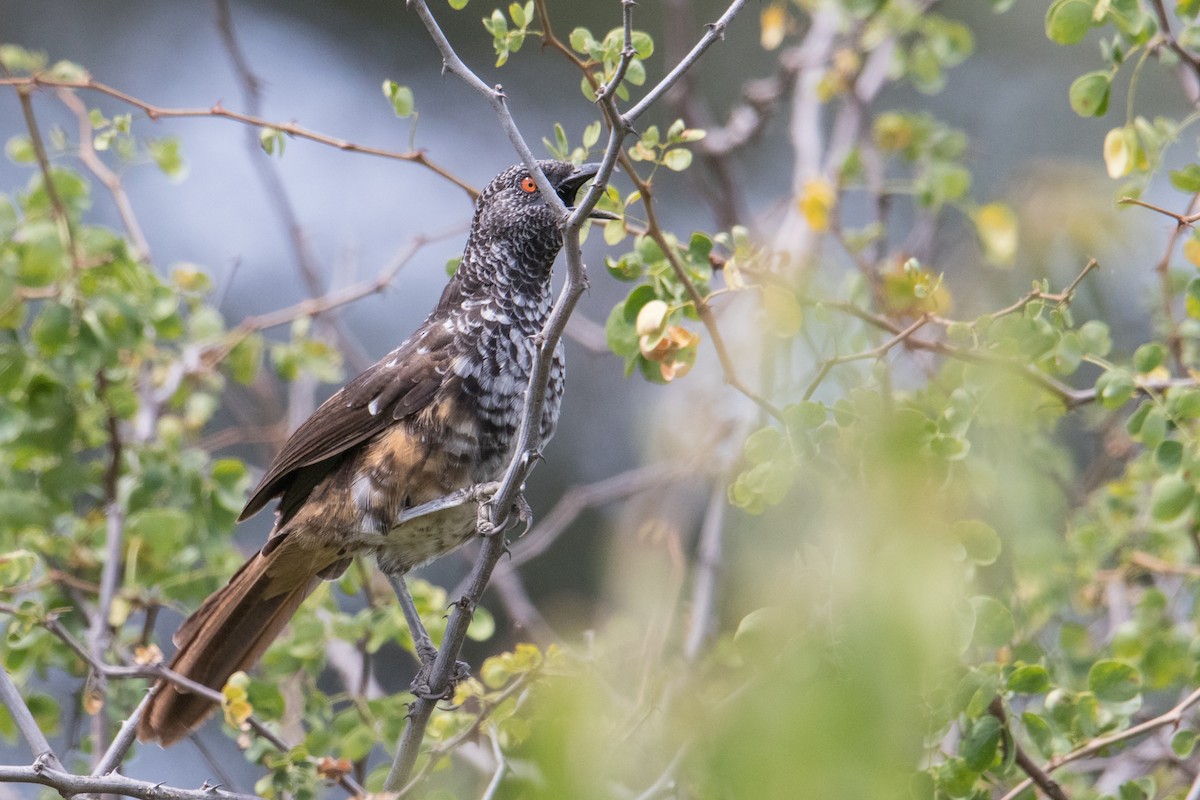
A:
[(229, 632)]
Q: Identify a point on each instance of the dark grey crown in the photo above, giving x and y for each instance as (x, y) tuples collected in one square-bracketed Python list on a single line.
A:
[(516, 229)]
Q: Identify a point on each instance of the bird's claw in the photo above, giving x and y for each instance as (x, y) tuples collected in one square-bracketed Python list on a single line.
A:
[(420, 684)]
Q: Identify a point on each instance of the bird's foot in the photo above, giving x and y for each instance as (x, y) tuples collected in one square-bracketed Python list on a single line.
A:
[(421, 683), (486, 527)]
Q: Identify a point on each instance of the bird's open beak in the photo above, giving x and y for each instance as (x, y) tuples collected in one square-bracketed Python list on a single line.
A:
[(571, 184)]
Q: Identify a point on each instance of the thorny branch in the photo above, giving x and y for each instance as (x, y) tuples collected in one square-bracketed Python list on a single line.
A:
[(69, 785), (529, 433), (25, 84), (154, 673)]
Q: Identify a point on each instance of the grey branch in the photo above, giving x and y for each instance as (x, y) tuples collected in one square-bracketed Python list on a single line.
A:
[(529, 433), (25, 721), (68, 785)]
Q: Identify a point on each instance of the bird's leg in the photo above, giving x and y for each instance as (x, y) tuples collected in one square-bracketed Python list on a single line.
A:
[(426, 652)]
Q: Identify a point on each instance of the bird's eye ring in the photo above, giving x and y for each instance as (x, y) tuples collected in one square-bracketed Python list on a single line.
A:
[(528, 184)]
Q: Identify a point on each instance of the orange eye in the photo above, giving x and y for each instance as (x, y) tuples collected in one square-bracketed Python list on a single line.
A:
[(528, 184)]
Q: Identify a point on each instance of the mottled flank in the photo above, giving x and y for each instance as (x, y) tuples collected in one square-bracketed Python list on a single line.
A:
[(437, 414)]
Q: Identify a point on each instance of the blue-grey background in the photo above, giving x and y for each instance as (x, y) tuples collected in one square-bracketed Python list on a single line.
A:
[(322, 64)]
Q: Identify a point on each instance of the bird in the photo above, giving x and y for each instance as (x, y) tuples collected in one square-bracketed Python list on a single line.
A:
[(435, 416)]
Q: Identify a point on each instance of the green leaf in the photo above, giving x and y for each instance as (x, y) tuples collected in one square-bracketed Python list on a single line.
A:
[(1114, 681), (245, 359), (979, 745), (1183, 742), (1114, 388), (591, 134), (1169, 455), (167, 155), (271, 140), (1186, 179), (401, 98), (1192, 299), (581, 40), (1148, 357), (1171, 496), (1068, 21), (458, 5), (994, 625), (19, 150), (677, 159), (620, 333), (166, 528), (1089, 94), (1029, 679), (764, 445), (979, 539), (1039, 733), (482, 625), (643, 43)]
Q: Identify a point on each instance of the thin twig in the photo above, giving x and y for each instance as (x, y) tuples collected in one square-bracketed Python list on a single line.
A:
[(59, 209), (876, 353), (125, 737), (110, 179), (218, 111), (577, 499), (100, 634), (26, 724), (716, 32), (1172, 717), (1027, 765), (708, 565), (501, 767)]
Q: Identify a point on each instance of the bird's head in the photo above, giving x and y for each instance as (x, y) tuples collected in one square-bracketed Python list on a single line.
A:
[(512, 214)]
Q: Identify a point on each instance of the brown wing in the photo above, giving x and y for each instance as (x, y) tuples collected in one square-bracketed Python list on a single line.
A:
[(400, 384)]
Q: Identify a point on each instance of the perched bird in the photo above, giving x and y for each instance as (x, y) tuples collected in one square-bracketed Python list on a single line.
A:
[(436, 415)]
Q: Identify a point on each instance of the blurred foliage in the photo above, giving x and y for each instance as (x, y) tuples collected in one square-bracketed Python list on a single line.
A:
[(963, 532)]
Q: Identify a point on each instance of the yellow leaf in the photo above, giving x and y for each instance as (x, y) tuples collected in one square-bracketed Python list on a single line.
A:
[(996, 225), (149, 654), (816, 203), (1118, 156), (784, 314), (773, 20), (1191, 251)]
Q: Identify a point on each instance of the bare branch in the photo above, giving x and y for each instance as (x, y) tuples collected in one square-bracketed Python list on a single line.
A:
[(154, 112), (125, 737), (716, 31), (110, 179), (26, 724), (708, 564), (576, 499), (68, 785), (61, 217)]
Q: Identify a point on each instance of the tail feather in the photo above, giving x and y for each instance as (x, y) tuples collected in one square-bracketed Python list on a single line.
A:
[(229, 632)]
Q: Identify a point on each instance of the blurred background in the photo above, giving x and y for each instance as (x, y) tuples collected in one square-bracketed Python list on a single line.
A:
[(321, 65)]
